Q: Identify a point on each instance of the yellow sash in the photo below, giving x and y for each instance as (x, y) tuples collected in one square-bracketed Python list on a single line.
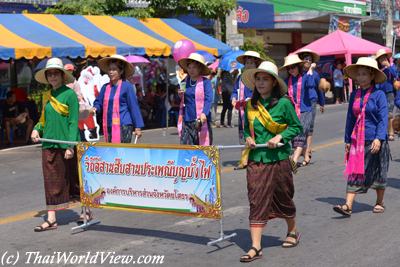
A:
[(263, 116), (59, 107)]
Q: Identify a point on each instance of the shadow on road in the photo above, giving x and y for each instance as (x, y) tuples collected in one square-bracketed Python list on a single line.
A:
[(195, 239), (357, 206), (231, 163), (243, 240), (393, 182)]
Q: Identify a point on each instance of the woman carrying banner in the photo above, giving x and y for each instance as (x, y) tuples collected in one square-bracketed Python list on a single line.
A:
[(269, 119), (241, 93), (118, 102), (194, 123), (367, 150), (59, 121), (299, 87), (310, 58), (383, 58)]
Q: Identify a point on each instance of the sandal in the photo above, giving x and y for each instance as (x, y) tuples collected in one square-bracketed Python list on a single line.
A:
[(248, 258), (292, 244), (379, 208), (345, 212), (306, 162), (240, 167), (391, 137), (81, 220), (40, 228)]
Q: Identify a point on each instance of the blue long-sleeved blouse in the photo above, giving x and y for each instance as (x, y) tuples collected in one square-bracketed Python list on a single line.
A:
[(376, 116), (129, 108), (190, 101)]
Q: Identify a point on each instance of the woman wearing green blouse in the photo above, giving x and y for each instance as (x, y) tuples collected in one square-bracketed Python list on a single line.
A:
[(59, 121), (270, 119)]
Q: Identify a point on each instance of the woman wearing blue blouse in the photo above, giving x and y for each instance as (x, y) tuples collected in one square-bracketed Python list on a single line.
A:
[(310, 58), (194, 123), (241, 94), (367, 150), (118, 103)]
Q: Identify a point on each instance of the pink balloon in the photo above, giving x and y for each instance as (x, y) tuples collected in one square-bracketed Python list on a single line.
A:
[(182, 49)]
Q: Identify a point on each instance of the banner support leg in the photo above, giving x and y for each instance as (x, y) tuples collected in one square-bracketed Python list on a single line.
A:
[(85, 224), (222, 236)]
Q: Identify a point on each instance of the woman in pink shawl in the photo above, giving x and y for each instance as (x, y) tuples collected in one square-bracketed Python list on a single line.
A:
[(118, 103), (367, 150), (194, 122)]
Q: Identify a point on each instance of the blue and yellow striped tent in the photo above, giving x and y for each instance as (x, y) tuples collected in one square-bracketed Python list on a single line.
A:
[(44, 35)]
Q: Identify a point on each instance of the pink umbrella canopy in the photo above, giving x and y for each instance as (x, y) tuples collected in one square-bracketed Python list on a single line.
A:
[(137, 59), (341, 43)]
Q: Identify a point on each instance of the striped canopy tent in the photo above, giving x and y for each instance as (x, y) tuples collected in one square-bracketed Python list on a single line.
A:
[(43, 35)]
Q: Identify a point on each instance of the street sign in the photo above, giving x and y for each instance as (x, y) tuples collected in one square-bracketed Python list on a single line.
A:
[(235, 40)]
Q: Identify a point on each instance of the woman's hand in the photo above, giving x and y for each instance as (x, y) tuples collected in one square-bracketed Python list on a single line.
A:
[(347, 148), (234, 103), (35, 136), (203, 118), (321, 109), (375, 146), (92, 111), (250, 143), (273, 142), (69, 153), (138, 132)]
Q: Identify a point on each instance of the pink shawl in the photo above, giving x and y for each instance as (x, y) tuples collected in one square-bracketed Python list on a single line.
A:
[(296, 103), (355, 158), (116, 125)]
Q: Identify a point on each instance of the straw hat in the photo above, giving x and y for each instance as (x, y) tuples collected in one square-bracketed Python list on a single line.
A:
[(248, 76), (382, 52), (315, 56), (241, 59), (184, 62), (53, 63), (291, 59), (324, 85), (104, 63), (350, 71)]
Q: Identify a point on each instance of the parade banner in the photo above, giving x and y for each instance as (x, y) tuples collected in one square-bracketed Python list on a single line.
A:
[(169, 179), (352, 26)]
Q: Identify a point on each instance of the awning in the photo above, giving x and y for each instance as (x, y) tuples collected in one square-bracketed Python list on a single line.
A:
[(44, 35)]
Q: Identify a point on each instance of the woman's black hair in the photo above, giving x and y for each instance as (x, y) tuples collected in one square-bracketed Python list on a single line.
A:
[(121, 67), (276, 95)]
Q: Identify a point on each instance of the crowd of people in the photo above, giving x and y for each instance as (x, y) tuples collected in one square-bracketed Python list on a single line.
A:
[(272, 110)]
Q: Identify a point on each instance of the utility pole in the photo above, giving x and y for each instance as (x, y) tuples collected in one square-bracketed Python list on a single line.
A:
[(389, 23)]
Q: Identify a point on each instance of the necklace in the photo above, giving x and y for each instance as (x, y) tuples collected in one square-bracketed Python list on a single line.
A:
[(190, 82)]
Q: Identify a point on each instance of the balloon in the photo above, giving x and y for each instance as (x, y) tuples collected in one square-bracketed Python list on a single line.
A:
[(182, 49)]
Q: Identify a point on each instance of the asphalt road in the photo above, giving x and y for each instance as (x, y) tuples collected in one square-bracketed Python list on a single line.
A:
[(366, 239)]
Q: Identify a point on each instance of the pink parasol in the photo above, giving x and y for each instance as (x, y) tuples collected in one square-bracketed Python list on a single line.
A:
[(214, 66), (137, 59)]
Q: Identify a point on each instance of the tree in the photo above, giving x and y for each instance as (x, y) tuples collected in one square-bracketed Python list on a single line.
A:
[(157, 8)]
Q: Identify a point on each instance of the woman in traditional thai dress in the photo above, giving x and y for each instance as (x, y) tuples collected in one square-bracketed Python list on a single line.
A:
[(310, 58), (367, 149), (194, 122), (299, 87), (118, 103), (241, 94), (59, 121), (269, 119)]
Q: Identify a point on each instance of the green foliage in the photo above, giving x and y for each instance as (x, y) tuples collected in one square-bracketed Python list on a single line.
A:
[(157, 8), (258, 47)]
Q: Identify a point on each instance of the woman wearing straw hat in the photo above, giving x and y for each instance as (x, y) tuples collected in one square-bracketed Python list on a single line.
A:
[(383, 58), (241, 93), (59, 121), (117, 100), (299, 87), (194, 123), (367, 150), (269, 119), (310, 58)]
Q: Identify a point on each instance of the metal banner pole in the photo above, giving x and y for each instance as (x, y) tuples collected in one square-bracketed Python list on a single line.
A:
[(222, 235)]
